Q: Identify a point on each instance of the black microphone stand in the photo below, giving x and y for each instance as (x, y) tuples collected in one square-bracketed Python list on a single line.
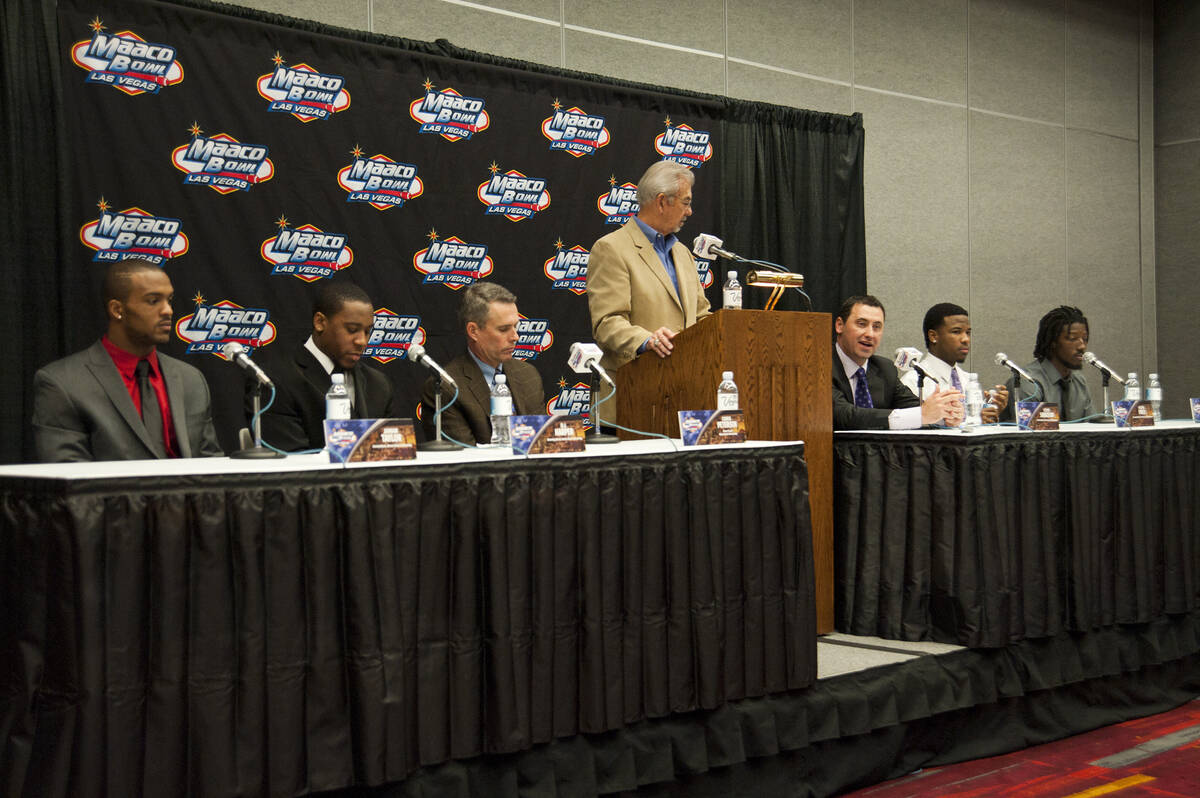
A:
[(437, 444), (257, 451), (596, 436)]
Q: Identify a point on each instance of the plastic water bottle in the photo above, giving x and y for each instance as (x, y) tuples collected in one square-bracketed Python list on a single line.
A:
[(337, 398), (731, 292), (1133, 388), (1154, 396), (973, 396), (502, 408), (727, 392)]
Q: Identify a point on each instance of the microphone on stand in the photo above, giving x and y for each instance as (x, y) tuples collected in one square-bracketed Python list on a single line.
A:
[(1092, 360), (585, 358), (1001, 359), (417, 354), (236, 353)]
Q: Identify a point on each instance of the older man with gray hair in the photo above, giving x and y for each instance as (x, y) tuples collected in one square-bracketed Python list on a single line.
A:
[(488, 317), (642, 283)]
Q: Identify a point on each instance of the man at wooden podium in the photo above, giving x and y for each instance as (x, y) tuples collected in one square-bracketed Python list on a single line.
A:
[(642, 283)]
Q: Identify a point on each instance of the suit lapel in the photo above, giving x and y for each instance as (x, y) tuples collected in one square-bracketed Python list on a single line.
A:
[(174, 383), (877, 385), (477, 386), (649, 257), (106, 374), (360, 391), (687, 299)]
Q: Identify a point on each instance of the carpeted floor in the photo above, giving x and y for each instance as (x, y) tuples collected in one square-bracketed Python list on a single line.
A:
[(1154, 756)]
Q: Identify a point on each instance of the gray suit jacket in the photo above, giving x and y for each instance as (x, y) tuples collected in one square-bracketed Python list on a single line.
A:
[(469, 420), (82, 410)]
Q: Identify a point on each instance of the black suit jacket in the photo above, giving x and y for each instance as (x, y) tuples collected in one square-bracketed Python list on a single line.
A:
[(469, 418), (295, 420), (887, 392), (82, 410)]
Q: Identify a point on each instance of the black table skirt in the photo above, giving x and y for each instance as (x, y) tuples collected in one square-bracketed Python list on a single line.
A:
[(273, 635), (985, 540)]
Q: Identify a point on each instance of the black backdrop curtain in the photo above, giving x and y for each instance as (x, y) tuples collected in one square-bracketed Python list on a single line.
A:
[(779, 184)]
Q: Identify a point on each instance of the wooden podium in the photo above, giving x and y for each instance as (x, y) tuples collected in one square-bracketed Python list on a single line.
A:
[(781, 363)]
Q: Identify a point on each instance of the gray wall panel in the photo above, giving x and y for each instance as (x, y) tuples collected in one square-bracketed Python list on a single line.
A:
[(1178, 273), (499, 34), (1102, 66), (1177, 96), (916, 47), (705, 29), (1015, 57), (765, 85), (604, 55), (810, 36)]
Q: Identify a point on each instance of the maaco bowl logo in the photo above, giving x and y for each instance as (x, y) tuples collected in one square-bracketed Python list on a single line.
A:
[(575, 131), (568, 269), (513, 195), (619, 204), (533, 338), (222, 163), (452, 262), (449, 114), (392, 334), (303, 92), (571, 400), (133, 233), (684, 145), (210, 327), (704, 271), (379, 181), (126, 61), (307, 252)]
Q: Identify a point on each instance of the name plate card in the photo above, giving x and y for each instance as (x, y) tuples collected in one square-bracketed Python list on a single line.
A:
[(1037, 416), (706, 427), (1133, 413), (370, 440), (547, 434), (1196, 409)]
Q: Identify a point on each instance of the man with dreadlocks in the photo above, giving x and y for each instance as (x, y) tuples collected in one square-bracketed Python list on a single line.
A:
[(1062, 338)]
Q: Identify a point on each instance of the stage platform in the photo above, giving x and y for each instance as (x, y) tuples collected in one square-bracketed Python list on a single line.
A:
[(879, 710)]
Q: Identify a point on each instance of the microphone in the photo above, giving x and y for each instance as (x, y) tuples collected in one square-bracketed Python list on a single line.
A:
[(709, 247), (417, 354), (237, 353), (1001, 359), (1091, 359), (907, 357), (585, 358)]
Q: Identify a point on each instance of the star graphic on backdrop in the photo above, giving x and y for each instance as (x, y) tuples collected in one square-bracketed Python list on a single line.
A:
[(558, 243), (667, 121), (195, 129), (277, 59), (562, 383), (612, 180), (281, 222), (102, 205), (198, 299), (494, 168), (357, 151), (96, 25), (432, 235), (428, 85), (556, 105)]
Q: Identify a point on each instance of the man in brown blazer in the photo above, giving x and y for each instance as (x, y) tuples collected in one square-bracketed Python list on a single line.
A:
[(642, 284), (488, 316)]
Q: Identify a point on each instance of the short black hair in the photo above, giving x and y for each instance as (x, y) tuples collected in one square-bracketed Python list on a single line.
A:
[(936, 315), (334, 293), (118, 279), (1052, 325), (865, 299)]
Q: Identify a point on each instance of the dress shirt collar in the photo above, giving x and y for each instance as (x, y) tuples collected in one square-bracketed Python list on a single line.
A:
[(849, 365), (322, 358), (126, 362), (940, 370), (662, 244), (489, 372)]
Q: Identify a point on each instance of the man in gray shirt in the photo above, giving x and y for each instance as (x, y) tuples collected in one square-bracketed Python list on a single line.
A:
[(1062, 339)]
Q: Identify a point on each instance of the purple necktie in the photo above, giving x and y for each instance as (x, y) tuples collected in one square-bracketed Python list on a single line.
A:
[(954, 380), (862, 397)]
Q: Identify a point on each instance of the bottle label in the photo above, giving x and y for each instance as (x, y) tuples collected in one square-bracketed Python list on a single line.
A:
[(337, 408), (727, 401), (501, 405), (1154, 394), (732, 298)]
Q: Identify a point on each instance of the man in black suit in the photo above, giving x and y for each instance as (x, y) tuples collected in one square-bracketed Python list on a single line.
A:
[(488, 315), (342, 320), (122, 399), (867, 391)]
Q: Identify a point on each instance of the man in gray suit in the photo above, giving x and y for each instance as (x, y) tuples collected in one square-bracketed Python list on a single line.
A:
[(121, 399), (488, 315)]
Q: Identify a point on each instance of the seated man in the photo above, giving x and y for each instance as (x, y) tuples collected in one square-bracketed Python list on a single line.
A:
[(947, 333), (341, 324), (121, 399), (488, 315), (1062, 338), (867, 392)]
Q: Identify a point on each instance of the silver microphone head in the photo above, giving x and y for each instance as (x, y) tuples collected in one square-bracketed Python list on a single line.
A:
[(415, 352), (1000, 358), (232, 349), (1089, 358)]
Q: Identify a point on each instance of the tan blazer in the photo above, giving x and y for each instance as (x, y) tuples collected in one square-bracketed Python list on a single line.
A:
[(630, 294)]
